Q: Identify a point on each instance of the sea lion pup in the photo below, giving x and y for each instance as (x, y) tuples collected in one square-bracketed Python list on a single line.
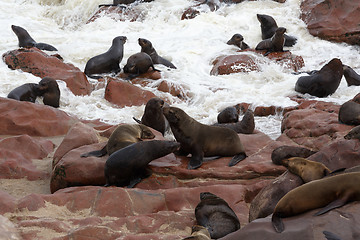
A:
[(147, 47), (198, 233), (215, 214), (268, 28), (137, 64), (153, 115), (107, 62), (324, 82), (306, 169), (50, 91), (284, 152), (124, 135), (201, 140), (273, 44), (349, 113), (351, 77), (128, 166), (228, 115), (245, 126), (26, 92), (326, 193), (26, 41), (238, 40), (354, 133)]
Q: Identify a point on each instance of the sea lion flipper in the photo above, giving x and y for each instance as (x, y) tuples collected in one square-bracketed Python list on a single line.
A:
[(133, 182), (196, 158), (335, 204), (236, 159), (45, 46), (97, 153), (331, 236), (277, 223), (137, 120)]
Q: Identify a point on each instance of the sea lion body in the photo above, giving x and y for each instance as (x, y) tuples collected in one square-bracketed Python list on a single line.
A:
[(128, 166), (351, 77), (198, 233), (228, 115), (330, 192), (26, 41), (124, 135), (268, 29), (306, 169), (273, 44), (26, 92), (245, 126), (202, 140), (349, 113), (284, 152), (107, 62), (238, 40), (147, 47), (137, 64), (215, 214), (324, 82), (50, 91)]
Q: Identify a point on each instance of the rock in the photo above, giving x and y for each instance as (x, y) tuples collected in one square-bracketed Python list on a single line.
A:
[(7, 203), (117, 13), (333, 20), (42, 65), (8, 230), (172, 88)]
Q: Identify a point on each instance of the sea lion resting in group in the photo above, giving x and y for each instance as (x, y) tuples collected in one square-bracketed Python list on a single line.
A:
[(215, 214), (137, 64), (26, 92), (326, 193), (351, 77), (201, 140), (238, 40), (124, 135), (26, 41), (49, 90), (273, 44), (147, 47), (198, 233), (128, 166), (107, 62), (245, 126)]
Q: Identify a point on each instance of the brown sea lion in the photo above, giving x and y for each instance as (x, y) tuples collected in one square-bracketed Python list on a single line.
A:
[(326, 193), (215, 214), (198, 233), (107, 62), (324, 82), (26, 92), (354, 133), (238, 40), (153, 115), (273, 44), (245, 126), (349, 113), (137, 64), (228, 115), (124, 135), (306, 169), (284, 152), (128, 166), (50, 91), (268, 29), (147, 47), (26, 41), (351, 77), (202, 140)]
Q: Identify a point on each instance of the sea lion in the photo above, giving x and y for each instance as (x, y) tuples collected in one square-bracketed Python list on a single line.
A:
[(124, 135), (323, 83), (128, 166), (202, 140), (228, 115), (351, 77), (215, 214), (238, 40), (306, 169), (273, 44), (349, 113), (326, 193), (50, 91), (153, 115), (26, 92), (268, 29), (107, 62), (245, 126), (283, 152), (198, 233), (26, 41), (147, 47), (354, 133), (137, 64), (331, 236)]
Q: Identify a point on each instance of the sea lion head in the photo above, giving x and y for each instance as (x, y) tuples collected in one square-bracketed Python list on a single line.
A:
[(47, 84), (146, 133), (119, 39), (173, 115), (266, 20), (155, 103), (280, 30), (144, 43), (236, 40), (206, 195)]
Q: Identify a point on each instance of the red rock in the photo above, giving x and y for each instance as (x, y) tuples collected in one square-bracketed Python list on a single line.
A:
[(42, 65), (18, 118), (117, 13), (7, 203), (125, 94), (333, 20), (174, 89), (8, 230)]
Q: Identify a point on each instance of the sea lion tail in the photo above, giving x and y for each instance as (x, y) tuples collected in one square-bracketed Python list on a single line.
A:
[(277, 223), (331, 236), (236, 159), (137, 120), (97, 153)]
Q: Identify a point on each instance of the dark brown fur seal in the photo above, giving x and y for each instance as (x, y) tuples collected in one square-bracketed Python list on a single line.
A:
[(147, 47), (324, 82), (268, 29), (26, 41), (215, 214), (283, 152), (124, 135), (26, 92), (137, 64), (245, 126), (201, 140), (198, 233), (326, 193), (128, 166), (238, 40), (351, 77), (228, 115), (349, 113), (273, 44), (353, 134), (107, 62), (153, 115), (50, 91)]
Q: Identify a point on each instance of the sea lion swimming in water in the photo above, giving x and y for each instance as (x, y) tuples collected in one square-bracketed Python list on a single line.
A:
[(137, 64), (273, 44), (238, 40), (26, 41)]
